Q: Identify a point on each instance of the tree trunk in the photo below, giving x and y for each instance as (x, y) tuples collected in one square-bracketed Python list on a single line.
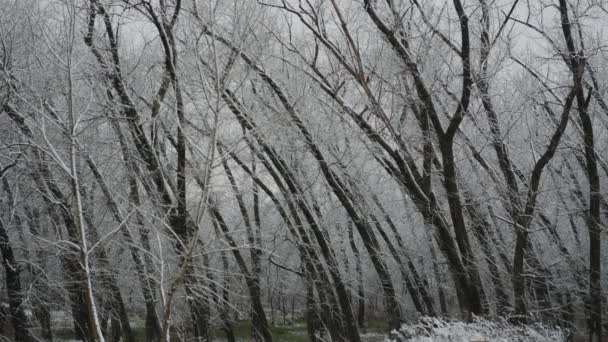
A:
[(13, 289), (577, 63), (421, 285), (261, 330), (153, 330), (295, 199), (312, 315), (359, 272), (110, 280), (40, 304), (224, 306)]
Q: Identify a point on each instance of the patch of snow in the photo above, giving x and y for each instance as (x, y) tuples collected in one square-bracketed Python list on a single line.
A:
[(430, 329)]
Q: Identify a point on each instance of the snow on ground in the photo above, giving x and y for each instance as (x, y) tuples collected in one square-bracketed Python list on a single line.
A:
[(439, 330)]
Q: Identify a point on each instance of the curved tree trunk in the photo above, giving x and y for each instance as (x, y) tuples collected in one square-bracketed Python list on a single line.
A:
[(577, 63)]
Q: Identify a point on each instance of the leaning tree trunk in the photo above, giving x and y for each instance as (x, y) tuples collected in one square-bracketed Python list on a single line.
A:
[(153, 329), (297, 206), (59, 211), (522, 244), (309, 255), (261, 330), (359, 272), (40, 304), (421, 288), (120, 316), (178, 216), (13, 289), (224, 306), (577, 62), (42, 309), (339, 189)]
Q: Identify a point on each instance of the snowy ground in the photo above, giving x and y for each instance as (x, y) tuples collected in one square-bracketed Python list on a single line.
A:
[(438, 330)]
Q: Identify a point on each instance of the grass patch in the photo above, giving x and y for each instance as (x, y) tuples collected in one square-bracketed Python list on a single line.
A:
[(280, 333), (377, 325)]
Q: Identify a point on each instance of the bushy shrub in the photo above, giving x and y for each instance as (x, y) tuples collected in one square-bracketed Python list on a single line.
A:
[(430, 329)]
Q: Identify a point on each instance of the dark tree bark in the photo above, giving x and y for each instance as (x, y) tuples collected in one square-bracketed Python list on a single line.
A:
[(178, 216), (41, 300), (338, 187), (465, 272), (60, 212), (522, 244), (438, 278), (261, 330), (577, 64), (361, 285), (310, 258), (403, 171), (118, 311), (153, 330), (225, 308), (13, 288), (296, 203), (421, 285), (312, 316)]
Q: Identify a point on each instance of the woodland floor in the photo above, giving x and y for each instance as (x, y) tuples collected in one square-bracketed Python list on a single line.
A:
[(295, 332)]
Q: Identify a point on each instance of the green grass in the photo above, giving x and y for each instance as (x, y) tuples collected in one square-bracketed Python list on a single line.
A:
[(377, 325), (280, 333)]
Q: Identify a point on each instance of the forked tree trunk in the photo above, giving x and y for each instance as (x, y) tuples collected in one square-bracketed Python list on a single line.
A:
[(576, 61)]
